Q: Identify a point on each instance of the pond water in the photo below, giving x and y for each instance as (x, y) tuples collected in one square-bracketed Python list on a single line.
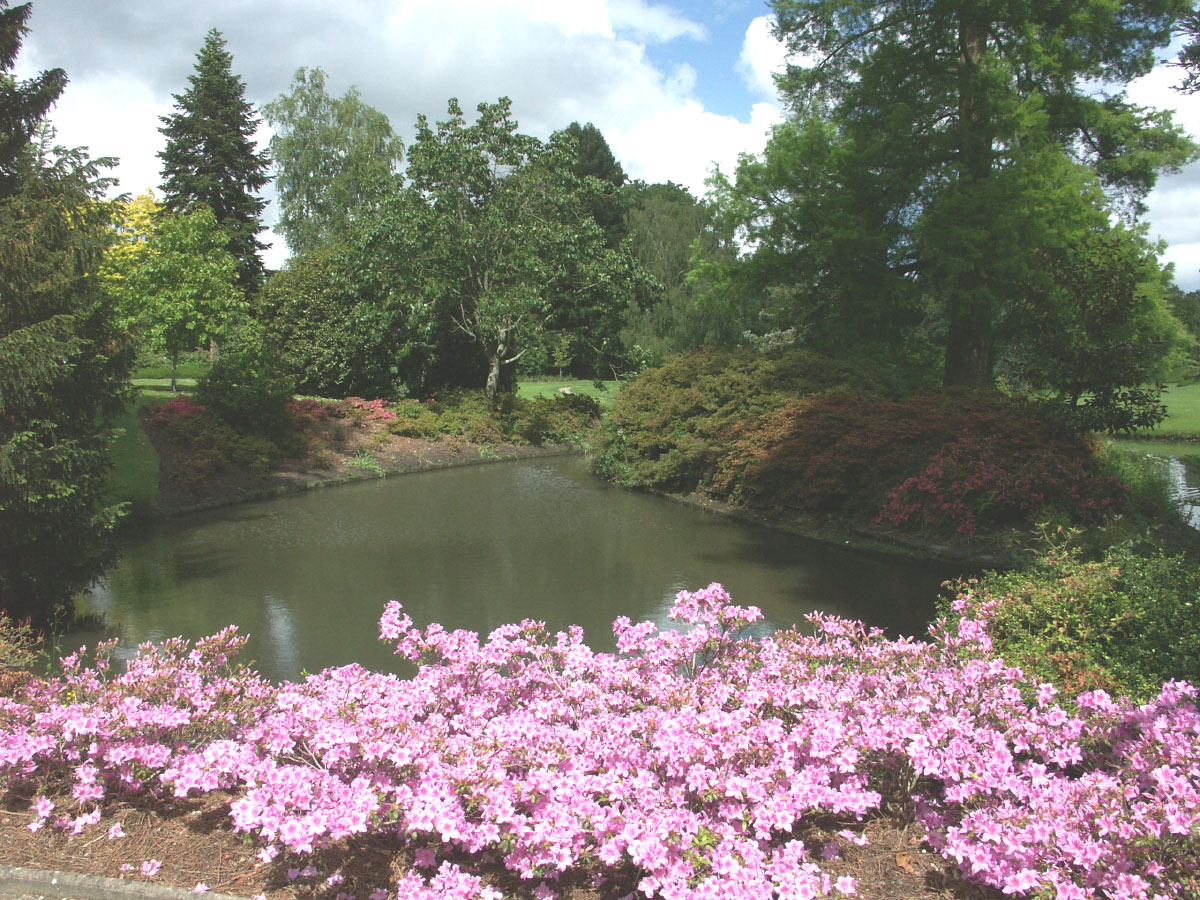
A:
[(307, 576)]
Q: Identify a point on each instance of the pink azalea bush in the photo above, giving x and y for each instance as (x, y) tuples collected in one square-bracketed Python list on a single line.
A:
[(685, 763)]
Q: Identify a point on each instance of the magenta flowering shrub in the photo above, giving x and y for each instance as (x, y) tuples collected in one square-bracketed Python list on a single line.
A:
[(369, 410), (686, 763), (976, 482)]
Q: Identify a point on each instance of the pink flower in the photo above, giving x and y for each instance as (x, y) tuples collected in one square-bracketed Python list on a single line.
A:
[(150, 867)]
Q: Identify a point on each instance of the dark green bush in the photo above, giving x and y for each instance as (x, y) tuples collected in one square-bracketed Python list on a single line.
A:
[(1126, 623), (247, 389), (671, 426)]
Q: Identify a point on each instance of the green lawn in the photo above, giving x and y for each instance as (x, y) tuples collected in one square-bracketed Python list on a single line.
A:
[(134, 477), (530, 388), (162, 384), (1183, 410)]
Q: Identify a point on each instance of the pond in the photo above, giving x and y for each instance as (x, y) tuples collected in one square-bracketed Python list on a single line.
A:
[(307, 576)]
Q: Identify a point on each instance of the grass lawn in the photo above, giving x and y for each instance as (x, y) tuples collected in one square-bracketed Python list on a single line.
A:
[(134, 476), (162, 384), (551, 388), (1183, 410)]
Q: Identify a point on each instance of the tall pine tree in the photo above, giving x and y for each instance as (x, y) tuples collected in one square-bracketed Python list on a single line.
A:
[(210, 157), (64, 365)]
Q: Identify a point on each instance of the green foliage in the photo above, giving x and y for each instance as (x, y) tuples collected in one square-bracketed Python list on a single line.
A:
[(671, 233), (594, 158), (64, 364), (1125, 623), (334, 158), (247, 389), (23, 104), (186, 285), (1098, 339), (336, 328), (210, 158), (468, 417), (670, 428), (501, 238), (943, 162)]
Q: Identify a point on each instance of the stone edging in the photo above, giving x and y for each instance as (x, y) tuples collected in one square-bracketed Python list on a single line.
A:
[(19, 881)]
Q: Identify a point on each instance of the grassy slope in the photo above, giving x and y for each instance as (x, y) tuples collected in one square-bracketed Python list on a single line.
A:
[(1183, 410), (134, 477)]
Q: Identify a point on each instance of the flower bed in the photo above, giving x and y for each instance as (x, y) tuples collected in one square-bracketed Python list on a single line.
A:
[(685, 764)]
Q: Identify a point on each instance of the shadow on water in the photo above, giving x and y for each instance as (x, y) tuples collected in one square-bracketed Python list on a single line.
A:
[(307, 576)]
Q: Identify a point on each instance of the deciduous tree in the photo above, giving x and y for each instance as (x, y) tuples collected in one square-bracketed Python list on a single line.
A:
[(504, 236), (955, 113), (334, 160), (186, 287)]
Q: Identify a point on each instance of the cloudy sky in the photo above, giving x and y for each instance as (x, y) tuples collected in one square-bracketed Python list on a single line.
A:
[(675, 86)]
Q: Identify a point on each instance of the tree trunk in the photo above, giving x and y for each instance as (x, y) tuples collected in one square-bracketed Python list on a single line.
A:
[(174, 367), (969, 342), (968, 349), (493, 379)]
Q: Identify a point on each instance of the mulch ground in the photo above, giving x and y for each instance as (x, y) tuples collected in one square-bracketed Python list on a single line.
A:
[(195, 843)]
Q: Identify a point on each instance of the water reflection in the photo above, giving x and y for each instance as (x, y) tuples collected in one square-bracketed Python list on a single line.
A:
[(307, 576)]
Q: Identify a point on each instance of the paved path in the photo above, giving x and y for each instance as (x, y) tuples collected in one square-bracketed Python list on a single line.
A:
[(23, 883)]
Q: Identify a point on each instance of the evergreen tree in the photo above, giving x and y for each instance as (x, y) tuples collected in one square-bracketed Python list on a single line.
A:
[(210, 158), (64, 365), (22, 104), (594, 157)]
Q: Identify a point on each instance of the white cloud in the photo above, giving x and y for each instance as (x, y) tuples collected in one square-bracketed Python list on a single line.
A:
[(650, 22), (683, 143), (1172, 205), (763, 55)]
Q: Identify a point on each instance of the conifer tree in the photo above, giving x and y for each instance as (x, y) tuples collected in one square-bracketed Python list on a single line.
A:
[(210, 157), (64, 365)]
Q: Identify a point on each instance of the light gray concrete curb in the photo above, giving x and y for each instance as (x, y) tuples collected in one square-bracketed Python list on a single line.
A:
[(17, 881)]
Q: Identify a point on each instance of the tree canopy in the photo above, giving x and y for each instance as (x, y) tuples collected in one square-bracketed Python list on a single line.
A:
[(943, 158), (504, 233), (334, 159), (185, 289)]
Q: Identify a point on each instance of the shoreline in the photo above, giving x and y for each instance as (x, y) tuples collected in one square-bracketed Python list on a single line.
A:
[(850, 537), (284, 483)]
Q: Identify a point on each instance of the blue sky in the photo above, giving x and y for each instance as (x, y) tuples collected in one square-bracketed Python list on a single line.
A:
[(675, 87)]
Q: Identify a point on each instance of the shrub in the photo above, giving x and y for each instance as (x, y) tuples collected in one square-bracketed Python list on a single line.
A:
[(247, 390), (942, 460), (671, 426), (1124, 623), (975, 482)]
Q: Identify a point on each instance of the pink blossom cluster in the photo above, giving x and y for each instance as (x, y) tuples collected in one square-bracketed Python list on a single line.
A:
[(686, 765), (376, 410)]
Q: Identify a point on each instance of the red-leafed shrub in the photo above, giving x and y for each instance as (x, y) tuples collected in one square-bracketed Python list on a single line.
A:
[(974, 483), (942, 460)]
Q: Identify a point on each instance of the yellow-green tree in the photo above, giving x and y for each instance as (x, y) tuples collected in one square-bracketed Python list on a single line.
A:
[(133, 223)]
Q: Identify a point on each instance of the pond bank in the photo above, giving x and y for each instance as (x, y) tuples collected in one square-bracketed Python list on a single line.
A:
[(362, 452), (856, 537), (367, 451)]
